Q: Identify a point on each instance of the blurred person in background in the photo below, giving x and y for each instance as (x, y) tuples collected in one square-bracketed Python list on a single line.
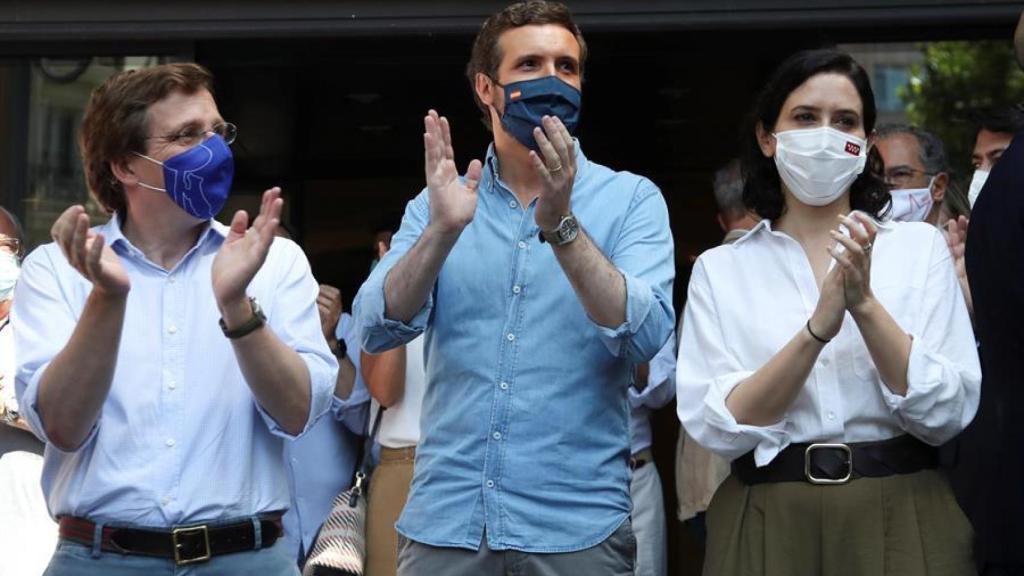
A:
[(27, 533)]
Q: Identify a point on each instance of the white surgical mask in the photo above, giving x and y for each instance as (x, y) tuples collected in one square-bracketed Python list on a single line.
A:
[(977, 183), (912, 204), (819, 164), (9, 272)]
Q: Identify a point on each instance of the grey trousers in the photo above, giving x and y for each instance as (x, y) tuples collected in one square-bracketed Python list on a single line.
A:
[(613, 557)]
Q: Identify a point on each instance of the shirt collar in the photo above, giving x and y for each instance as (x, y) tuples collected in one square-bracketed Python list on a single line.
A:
[(115, 238), (765, 224)]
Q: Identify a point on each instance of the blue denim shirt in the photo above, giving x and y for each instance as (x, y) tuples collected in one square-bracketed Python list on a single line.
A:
[(525, 422)]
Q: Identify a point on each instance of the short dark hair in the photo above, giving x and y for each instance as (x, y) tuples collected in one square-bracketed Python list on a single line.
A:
[(486, 55), (116, 121), (1007, 120), (931, 151), (762, 191)]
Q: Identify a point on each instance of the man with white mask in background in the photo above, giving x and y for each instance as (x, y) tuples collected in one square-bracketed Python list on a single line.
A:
[(996, 129), (27, 534), (916, 172)]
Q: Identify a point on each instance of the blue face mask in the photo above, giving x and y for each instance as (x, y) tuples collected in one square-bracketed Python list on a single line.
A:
[(198, 179), (528, 101)]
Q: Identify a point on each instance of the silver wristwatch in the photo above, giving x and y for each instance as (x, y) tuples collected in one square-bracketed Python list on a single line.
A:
[(567, 231)]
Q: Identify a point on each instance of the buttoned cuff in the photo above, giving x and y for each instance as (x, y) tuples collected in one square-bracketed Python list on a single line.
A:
[(638, 307), (766, 441), (28, 408)]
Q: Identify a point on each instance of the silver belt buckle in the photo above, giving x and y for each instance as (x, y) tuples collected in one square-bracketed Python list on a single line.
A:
[(829, 481)]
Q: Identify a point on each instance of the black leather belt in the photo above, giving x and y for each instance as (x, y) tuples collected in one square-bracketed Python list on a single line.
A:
[(839, 463), (183, 544)]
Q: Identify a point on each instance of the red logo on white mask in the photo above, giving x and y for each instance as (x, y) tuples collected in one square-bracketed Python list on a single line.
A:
[(853, 148)]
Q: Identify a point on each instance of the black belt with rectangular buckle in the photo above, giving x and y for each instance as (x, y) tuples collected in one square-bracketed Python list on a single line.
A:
[(183, 544), (838, 463)]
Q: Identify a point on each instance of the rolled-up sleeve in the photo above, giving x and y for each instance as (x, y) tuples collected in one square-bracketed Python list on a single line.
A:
[(706, 374), (295, 320), (377, 332), (644, 255), (944, 374), (43, 320)]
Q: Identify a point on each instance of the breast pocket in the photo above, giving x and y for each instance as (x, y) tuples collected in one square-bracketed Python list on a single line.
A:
[(900, 303)]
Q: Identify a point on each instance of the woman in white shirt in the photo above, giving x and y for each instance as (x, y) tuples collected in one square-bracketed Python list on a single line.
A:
[(824, 326)]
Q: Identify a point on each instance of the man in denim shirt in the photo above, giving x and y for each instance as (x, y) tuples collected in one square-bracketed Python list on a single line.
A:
[(530, 342)]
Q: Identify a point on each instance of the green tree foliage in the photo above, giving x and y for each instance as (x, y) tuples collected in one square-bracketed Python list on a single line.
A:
[(955, 80)]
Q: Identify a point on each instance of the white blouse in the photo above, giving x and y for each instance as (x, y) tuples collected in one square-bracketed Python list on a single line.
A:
[(748, 299)]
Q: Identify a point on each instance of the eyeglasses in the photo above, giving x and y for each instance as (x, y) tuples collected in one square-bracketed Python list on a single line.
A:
[(901, 176), (10, 244), (191, 136)]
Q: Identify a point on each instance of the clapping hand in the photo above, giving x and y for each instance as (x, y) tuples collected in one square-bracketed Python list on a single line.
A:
[(556, 166), (245, 249), (452, 200), (955, 232), (329, 304), (88, 253), (855, 259)]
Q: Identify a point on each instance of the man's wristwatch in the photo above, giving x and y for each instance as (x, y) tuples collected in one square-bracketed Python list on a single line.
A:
[(258, 319), (340, 349), (567, 231)]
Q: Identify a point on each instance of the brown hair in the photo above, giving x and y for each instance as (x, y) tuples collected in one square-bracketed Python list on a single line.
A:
[(486, 56), (116, 121)]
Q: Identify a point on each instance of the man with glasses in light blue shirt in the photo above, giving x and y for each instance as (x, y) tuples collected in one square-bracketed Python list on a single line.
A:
[(540, 279), (164, 427)]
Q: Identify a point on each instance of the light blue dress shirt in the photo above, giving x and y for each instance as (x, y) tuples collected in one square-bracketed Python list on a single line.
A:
[(660, 390), (525, 426), (180, 438), (321, 463)]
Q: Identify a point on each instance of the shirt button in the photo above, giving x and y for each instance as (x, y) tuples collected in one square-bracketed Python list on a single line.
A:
[(490, 483), (497, 435), (172, 385), (516, 289), (511, 337), (513, 204), (171, 280), (503, 385), (831, 415), (522, 245), (169, 442), (172, 328), (165, 501)]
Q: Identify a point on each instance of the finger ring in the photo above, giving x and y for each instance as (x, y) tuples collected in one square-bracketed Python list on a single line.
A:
[(868, 246), (555, 169)]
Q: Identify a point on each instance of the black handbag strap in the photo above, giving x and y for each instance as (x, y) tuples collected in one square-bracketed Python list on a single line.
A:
[(371, 437)]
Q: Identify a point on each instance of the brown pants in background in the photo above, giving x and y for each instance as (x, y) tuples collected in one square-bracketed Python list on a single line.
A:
[(389, 488)]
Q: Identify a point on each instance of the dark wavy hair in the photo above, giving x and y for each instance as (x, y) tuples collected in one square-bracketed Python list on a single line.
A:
[(762, 191)]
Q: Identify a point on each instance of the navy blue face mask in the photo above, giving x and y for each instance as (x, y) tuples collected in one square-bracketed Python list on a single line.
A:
[(198, 179), (528, 101)]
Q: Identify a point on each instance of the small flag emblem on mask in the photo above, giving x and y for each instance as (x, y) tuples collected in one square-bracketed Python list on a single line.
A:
[(515, 94)]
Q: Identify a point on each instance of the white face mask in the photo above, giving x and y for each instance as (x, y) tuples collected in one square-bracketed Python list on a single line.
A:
[(977, 183), (819, 164), (912, 204), (9, 272)]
